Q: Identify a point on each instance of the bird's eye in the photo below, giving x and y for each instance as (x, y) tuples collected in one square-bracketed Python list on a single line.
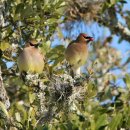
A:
[(31, 44)]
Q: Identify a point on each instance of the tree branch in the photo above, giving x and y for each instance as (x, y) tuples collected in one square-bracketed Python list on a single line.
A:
[(124, 31), (3, 94)]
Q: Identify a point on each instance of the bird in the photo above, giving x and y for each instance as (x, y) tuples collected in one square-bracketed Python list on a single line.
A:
[(31, 59), (76, 53)]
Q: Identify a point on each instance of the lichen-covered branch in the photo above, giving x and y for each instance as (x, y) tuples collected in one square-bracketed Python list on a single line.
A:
[(3, 94), (124, 31)]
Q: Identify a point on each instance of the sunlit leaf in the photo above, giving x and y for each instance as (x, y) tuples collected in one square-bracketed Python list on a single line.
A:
[(102, 121), (31, 97), (17, 116), (127, 80), (45, 47), (116, 121), (3, 110), (4, 45)]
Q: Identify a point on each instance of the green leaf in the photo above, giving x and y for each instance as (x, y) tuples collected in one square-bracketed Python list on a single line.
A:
[(17, 116), (45, 47), (91, 90), (31, 97), (27, 12), (102, 121), (59, 4), (23, 113), (114, 1), (93, 125), (127, 80), (19, 8), (3, 110), (115, 121), (51, 20), (4, 45)]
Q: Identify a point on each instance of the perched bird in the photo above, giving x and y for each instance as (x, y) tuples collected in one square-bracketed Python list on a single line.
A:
[(31, 59), (77, 52)]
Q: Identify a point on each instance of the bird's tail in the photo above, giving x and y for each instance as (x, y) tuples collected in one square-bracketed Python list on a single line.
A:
[(76, 71), (73, 71)]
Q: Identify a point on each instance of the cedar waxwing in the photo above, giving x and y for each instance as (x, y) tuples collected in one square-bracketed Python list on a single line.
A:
[(76, 53), (31, 59)]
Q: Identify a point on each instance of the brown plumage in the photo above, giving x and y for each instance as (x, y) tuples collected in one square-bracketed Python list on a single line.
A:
[(77, 52), (31, 59)]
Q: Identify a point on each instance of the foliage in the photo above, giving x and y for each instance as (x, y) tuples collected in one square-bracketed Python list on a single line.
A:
[(54, 100)]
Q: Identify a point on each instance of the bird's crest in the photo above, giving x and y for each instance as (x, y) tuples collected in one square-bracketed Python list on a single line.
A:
[(84, 38), (32, 42), (83, 34)]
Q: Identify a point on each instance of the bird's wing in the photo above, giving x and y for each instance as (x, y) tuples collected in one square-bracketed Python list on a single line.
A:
[(72, 42)]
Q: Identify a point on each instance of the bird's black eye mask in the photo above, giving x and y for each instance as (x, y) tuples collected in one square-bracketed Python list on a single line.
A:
[(88, 38), (35, 45)]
